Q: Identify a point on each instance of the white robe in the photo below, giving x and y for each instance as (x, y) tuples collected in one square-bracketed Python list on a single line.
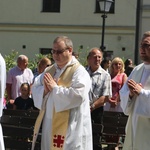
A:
[(75, 98), (138, 109), (2, 91)]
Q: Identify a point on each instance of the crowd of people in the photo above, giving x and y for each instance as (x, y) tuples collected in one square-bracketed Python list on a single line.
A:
[(71, 97)]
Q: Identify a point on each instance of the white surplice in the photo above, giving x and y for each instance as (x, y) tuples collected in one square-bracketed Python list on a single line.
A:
[(138, 109), (75, 98), (2, 92)]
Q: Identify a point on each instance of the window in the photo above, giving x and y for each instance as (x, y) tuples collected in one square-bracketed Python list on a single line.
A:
[(51, 6), (108, 55), (45, 51), (112, 8)]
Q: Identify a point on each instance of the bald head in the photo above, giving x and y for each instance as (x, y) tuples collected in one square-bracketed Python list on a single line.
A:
[(22, 61), (94, 58)]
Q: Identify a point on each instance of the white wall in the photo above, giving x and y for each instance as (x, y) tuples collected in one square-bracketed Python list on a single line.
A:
[(23, 23)]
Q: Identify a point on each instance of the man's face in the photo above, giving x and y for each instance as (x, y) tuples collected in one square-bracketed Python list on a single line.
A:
[(22, 64), (95, 59), (145, 50), (61, 54)]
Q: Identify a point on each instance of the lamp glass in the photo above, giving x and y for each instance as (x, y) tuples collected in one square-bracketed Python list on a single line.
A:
[(105, 5)]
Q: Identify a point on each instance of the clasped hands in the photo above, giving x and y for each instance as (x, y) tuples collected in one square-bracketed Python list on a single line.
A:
[(49, 83), (135, 88)]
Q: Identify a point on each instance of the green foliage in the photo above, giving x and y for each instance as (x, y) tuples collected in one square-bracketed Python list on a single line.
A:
[(83, 55), (10, 59)]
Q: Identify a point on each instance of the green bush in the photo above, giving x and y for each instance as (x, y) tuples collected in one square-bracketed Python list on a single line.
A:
[(10, 60)]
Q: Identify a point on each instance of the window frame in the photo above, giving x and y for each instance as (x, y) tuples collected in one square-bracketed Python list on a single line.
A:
[(51, 6)]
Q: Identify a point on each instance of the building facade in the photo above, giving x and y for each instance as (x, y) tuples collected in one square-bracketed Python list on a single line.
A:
[(30, 26)]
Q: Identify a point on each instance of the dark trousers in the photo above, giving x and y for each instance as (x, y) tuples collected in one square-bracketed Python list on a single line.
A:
[(97, 117)]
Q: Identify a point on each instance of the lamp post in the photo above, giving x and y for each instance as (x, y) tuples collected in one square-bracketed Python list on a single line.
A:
[(105, 7)]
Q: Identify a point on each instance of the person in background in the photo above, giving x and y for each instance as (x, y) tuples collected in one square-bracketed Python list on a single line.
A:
[(42, 65), (105, 64), (129, 70), (128, 62), (101, 87), (64, 89), (2, 92), (24, 102), (135, 101), (118, 78), (75, 54), (16, 76)]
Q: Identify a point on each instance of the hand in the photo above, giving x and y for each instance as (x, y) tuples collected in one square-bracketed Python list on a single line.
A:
[(135, 88), (49, 83), (113, 103), (92, 107)]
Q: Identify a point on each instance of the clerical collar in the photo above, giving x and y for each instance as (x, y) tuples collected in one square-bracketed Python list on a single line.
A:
[(73, 60), (147, 66), (57, 67)]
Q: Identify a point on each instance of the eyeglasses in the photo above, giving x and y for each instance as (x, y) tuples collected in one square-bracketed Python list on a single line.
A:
[(145, 46), (58, 51)]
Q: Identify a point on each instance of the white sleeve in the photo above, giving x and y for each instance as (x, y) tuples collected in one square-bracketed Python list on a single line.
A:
[(126, 103), (144, 103), (2, 82), (68, 98), (37, 90)]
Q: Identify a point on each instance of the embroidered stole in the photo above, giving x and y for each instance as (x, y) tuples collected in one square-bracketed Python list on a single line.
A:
[(41, 114), (60, 119)]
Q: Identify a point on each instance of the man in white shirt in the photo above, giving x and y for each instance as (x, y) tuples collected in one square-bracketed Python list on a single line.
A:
[(101, 89), (65, 87), (16, 76), (135, 101)]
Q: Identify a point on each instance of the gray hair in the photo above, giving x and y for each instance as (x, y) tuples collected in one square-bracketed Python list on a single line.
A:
[(22, 57), (67, 41), (146, 34), (91, 51)]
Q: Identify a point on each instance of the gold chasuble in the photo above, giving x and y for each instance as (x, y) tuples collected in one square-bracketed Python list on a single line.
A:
[(60, 119)]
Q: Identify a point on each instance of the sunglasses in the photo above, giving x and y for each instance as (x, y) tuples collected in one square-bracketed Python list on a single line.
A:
[(145, 46), (58, 52)]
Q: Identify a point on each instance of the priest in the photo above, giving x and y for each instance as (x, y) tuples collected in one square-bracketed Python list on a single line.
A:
[(61, 94), (135, 101)]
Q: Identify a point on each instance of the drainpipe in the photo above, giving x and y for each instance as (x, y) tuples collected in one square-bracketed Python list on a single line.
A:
[(138, 31)]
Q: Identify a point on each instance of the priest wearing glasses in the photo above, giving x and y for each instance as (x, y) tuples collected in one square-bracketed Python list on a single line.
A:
[(61, 94)]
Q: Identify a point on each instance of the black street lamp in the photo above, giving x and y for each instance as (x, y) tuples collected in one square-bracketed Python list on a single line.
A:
[(105, 7)]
